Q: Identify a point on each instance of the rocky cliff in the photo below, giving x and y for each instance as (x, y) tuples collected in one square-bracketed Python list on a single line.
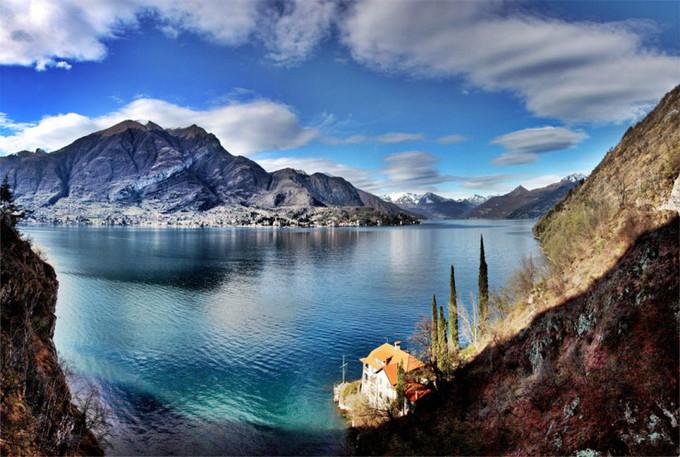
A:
[(36, 412), (594, 367), (134, 173)]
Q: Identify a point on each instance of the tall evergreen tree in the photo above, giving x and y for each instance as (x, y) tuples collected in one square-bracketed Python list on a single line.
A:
[(435, 329), (441, 334), (8, 208), (483, 285), (453, 315)]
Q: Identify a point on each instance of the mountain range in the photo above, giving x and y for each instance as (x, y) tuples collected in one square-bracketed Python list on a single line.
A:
[(526, 204), (433, 206), (518, 204), (134, 173), (141, 173)]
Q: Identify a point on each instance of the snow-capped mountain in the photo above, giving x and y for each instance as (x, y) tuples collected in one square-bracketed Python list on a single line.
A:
[(402, 199), (574, 177), (475, 200), (519, 203), (431, 205)]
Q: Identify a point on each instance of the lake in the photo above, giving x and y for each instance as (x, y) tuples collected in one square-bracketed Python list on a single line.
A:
[(229, 340)]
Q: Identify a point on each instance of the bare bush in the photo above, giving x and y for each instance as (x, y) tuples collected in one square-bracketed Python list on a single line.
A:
[(421, 339), (470, 320), (87, 397)]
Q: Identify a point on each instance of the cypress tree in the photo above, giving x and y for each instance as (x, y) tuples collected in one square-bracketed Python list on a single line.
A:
[(442, 346), (453, 314), (441, 333), (483, 285), (435, 329)]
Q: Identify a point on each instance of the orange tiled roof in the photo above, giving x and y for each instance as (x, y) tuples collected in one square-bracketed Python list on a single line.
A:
[(414, 391), (389, 358)]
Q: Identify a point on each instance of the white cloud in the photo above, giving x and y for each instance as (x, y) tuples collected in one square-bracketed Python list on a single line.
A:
[(359, 177), (9, 124), (243, 128), (292, 34), (63, 64), (42, 33), (223, 22), (38, 32), (386, 138), (575, 71), (451, 139), (523, 146)]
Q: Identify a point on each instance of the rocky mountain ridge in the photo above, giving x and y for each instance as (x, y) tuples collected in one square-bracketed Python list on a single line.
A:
[(521, 203), (142, 173)]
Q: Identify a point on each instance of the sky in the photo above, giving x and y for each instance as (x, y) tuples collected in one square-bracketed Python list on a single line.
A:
[(455, 97)]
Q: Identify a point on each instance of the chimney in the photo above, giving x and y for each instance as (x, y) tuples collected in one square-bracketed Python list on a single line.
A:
[(397, 344)]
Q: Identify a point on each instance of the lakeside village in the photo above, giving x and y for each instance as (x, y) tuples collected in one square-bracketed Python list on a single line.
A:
[(394, 381)]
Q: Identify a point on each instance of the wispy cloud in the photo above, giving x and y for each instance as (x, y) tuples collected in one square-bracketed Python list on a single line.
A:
[(359, 177), (409, 171), (243, 128), (451, 139), (569, 70), (413, 170), (524, 146), (386, 138), (294, 31), (482, 182), (541, 181), (399, 137), (575, 71)]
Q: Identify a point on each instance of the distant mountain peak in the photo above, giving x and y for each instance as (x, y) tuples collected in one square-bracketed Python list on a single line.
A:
[(122, 126), (475, 200), (190, 132), (574, 177), (522, 203)]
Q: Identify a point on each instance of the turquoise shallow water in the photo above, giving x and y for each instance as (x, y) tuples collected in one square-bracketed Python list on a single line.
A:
[(228, 341)]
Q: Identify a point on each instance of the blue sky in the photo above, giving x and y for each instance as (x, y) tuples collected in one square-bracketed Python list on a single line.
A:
[(452, 97)]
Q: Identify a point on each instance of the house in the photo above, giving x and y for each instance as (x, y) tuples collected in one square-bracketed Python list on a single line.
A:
[(379, 377)]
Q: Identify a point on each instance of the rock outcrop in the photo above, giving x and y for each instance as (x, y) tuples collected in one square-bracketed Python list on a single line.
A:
[(36, 412)]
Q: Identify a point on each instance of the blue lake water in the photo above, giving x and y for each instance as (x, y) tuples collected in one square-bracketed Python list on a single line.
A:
[(228, 341)]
